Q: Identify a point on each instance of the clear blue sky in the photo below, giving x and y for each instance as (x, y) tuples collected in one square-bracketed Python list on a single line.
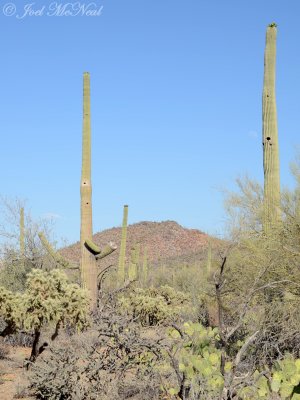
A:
[(176, 106)]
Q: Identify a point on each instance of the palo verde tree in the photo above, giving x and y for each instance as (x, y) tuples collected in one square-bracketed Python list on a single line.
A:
[(22, 232)]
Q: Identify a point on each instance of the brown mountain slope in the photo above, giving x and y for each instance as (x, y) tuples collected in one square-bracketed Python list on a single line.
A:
[(166, 242)]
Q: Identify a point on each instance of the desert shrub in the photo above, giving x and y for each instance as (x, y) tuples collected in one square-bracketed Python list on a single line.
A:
[(155, 305), (114, 360), (261, 291), (21, 339), (63, 364), (4, 350)]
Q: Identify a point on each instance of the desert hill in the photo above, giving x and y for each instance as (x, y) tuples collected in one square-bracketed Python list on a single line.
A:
[(166, 242)]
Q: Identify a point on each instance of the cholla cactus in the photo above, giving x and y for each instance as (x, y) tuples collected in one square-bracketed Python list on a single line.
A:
[(48, 298), (272, 214), (10, 310)]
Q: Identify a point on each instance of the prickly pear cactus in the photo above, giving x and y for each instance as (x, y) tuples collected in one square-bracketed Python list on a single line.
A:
[(199, 360), (281, 383)]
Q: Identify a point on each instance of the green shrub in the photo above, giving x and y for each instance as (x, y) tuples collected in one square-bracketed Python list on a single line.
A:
[(155, 305)]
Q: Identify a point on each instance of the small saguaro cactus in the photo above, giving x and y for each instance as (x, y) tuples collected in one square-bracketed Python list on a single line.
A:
[(87, 262), (22, 232), (271, 211), (137, 254), (133, 265), (122, 256), (145, 266)]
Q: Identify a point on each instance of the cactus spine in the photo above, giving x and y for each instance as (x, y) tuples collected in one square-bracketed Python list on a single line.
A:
[(122, 256), (271, 211), (22, 233), (87, 262)]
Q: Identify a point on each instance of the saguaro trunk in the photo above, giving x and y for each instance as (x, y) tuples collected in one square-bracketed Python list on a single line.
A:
[(88, 262), (272, 214), (122, 256)]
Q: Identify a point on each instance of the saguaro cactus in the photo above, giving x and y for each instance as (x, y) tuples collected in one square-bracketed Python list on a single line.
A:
[(145, 266), (87, 261), (61, 261), (22, 232), (271, 212), (137, 254), (122, 256), (97, 252), (133, 265)]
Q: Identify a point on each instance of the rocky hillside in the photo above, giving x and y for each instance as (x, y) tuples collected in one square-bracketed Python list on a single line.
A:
[(166, 242)]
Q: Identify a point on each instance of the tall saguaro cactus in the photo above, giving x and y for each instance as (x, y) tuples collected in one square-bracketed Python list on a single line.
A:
[(271, 212), (22, 232), (87, 263), (122, 256)]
